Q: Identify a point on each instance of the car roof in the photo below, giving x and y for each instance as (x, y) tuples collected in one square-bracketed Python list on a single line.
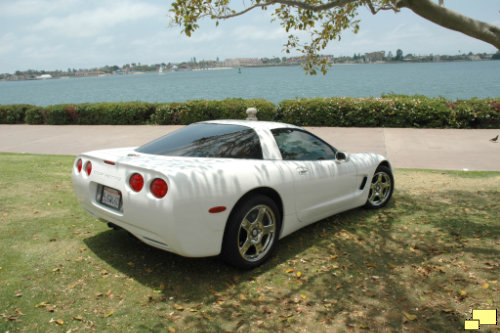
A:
[(255, 124)]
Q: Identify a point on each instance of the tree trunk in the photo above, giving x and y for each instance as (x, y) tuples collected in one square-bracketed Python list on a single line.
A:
[(450, 19)]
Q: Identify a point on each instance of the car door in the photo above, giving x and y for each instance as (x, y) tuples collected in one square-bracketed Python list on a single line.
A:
[(323, 185)]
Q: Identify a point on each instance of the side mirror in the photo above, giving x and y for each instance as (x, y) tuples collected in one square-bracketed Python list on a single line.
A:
[(341, 156)]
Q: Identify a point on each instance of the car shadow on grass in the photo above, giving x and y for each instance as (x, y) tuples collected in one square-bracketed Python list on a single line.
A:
[(363, 269)]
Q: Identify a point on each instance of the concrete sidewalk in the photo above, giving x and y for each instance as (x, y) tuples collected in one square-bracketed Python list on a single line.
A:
[(405, 147)]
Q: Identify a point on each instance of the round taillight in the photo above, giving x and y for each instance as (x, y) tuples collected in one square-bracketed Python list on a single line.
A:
[(159, 188), (136, 182), (79, 165), (88, 168)]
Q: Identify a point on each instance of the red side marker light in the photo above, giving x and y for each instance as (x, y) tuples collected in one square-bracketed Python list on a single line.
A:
[(88, 168), (109, 162), (217, 209)]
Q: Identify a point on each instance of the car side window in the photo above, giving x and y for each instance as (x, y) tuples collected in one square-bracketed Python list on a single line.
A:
[(296, 144)]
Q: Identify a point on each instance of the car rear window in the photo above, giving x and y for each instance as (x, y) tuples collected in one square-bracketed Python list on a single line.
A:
[(207, 140)]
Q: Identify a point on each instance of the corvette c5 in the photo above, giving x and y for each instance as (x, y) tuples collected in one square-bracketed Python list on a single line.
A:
[(228, 187)]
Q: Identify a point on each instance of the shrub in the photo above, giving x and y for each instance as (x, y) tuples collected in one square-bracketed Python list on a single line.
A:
[(388, 111), (199, 110), (391, 111), (35, 116), (61, 114), (13, 114), (121, 113)]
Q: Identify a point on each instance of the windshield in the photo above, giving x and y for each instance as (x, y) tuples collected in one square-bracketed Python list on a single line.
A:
[(207, 140)]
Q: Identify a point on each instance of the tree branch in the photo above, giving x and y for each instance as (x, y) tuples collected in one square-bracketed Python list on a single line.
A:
[(452, 20), (376, 10), (292, 3), (223, 17)]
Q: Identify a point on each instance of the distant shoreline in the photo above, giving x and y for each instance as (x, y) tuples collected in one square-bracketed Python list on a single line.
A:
[(166, 72)]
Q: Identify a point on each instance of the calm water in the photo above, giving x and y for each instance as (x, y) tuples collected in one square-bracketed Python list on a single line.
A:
[(458, 80)]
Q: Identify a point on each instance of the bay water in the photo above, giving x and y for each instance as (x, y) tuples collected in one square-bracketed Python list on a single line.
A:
[(452, 80)]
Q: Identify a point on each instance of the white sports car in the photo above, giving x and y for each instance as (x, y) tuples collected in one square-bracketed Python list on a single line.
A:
[(228, 187)]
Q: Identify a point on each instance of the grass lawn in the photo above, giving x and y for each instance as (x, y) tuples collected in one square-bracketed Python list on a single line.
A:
[(419, 265)]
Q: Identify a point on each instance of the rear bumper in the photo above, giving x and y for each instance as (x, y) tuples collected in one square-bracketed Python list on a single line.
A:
[(177, 225)]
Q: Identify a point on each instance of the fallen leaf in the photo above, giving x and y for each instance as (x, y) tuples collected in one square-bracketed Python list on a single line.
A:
[(485, 286), (41, 305), (206, 316), (59, 322), (131, 264), (303, 296), (409, 316), (109, 314), (463, 292), (299, 274), (77, 317), (171, 329), (213, 292), (371, 265), (290, 270), (178, 307), (243, 297)]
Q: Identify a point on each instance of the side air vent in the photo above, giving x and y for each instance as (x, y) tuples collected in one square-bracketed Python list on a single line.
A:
[(363, 183)]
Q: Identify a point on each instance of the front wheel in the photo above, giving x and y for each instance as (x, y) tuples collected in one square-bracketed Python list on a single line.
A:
[(252, 232), (381, 188)]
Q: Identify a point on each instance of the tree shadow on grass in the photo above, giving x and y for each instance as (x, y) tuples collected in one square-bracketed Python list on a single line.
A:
[(361, 270)]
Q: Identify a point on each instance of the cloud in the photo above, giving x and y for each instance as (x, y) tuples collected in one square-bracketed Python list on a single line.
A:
[(34, 8), (92, 22)]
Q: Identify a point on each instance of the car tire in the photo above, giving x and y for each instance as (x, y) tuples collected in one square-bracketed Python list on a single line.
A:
[(251, 233), (381, 188)]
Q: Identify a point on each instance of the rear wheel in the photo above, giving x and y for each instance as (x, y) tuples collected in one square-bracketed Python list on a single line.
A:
[(381, 188), (251, 233)]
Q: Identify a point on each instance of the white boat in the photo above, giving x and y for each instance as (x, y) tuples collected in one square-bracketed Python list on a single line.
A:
[(160, 71)]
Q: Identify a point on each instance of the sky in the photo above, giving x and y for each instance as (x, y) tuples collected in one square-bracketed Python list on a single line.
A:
[(62, 34)]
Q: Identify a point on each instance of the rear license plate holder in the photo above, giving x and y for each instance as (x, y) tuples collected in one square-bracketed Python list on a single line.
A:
[(111, 198)]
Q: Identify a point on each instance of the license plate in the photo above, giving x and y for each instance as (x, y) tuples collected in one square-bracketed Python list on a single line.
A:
[(111, 197)]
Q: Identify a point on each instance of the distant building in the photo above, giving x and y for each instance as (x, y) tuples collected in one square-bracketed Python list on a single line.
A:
[(44, 77), (243, 62)]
